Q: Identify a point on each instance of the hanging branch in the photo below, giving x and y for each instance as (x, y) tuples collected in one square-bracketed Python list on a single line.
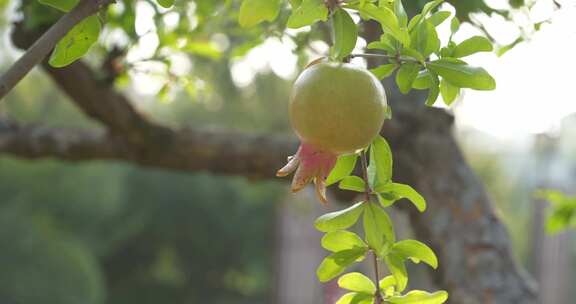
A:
[(42, 47)]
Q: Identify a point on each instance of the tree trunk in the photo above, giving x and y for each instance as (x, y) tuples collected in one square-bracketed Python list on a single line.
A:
[(472, 244)]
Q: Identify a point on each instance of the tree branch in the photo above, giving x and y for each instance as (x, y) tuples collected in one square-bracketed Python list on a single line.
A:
[(34, 141), (221, 152), (42, 47)]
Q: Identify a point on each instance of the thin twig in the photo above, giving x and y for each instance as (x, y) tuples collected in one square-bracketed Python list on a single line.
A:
[(384, 56), (367, 191), (42, 47), (377, 295)]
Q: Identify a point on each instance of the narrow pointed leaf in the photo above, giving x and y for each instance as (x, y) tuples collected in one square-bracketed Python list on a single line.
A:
[(428, 7), (343, 168), (471, 46), (423, 81), (378, 228), (76, 43), (381, 156), (336, 263), (398, 269), (425, 39), (400, 13), (434, 90), (404, 191), (345, 34), (462, 75), (415, 250), (406, 76), (448, 91), (439, 17), (454, 25), (387, 20), (340, 219), (384, 70)]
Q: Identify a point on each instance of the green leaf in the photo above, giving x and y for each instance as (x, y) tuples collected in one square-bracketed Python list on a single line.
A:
[(425, 39), (406, 75), (471, 46), (423, 81), (420, 297), (415, 250), (340, 219), (352, 183), (449, 91), (341, 240), (439, 17), (356, 298), (76, 43), (63, 5), (387, 284), (357, 282), (400, 13), (446, 52), (434, 90), (428, 7), (404, 191), (385, 43), (454, 25), (398, 269), (381, 157), (384, 201), (167, 3), (387, 20), (413, 22), (462, 75), (253, 12), (413, 54), (378, 228), (504, 49), (336, 263), (308, 13), (344, 166), (345, 34), (384, 70)]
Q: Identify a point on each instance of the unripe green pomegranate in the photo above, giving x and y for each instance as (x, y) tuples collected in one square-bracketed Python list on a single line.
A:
[(335, 109)]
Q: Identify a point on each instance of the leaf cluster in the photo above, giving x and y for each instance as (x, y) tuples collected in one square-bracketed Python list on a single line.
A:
[(379, 239)]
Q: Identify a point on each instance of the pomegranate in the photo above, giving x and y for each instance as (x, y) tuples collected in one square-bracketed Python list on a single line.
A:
[(335, 109)]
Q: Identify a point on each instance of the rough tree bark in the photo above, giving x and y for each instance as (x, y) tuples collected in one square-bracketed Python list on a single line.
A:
[(476, 264)]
